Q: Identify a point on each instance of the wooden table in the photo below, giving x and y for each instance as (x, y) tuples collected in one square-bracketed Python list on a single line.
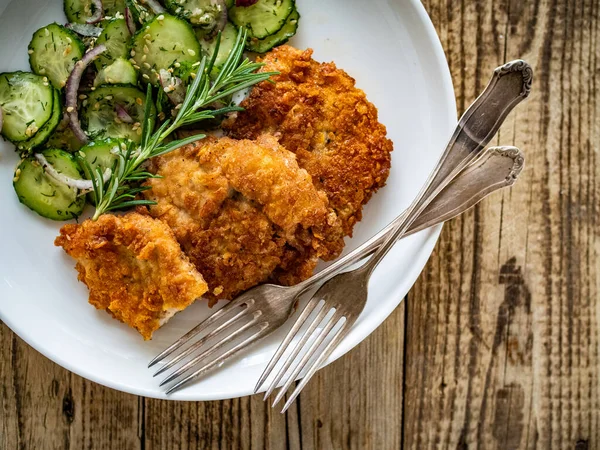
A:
[(497, 346)]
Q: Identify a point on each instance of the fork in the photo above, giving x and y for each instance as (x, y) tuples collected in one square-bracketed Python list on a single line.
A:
[(269, 306), (338, 303)]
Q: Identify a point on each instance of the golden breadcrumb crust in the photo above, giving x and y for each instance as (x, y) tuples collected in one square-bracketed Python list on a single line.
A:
[(234, 207), (133, 267)]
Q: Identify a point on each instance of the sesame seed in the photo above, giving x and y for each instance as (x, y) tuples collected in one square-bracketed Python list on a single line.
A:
[(136, 67), (144, 57), (42, 71), (191, 52), (139, 101), (193, 75), (147, 37), (145, 76), (177, 65), (30, 51), (97, 106), (70, 109), (146, 50), (46, 32), (160, 18), (196, 64), (147, 66), (82, 97), (109, 97), (132, 53)]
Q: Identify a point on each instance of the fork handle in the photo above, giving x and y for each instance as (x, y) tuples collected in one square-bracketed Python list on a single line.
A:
[(498, 167), (510, 84)]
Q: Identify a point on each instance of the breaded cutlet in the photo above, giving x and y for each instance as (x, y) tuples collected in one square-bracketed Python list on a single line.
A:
[(236, 206), (316, 112), (134, 268)]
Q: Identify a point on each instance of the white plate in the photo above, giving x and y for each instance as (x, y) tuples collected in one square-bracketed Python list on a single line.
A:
[(392, 50)]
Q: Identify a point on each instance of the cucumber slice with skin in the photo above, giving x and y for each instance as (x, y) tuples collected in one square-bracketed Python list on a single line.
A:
[(163, 43), (200, 13), (117, 39), (112, 8), (101, 154), (63, 138), (27, 102), (264, 18), (47, 130), (121, 71), (279, 38), (228, 38), (100, 114), (80, 11), (53, 52), (42, 193)]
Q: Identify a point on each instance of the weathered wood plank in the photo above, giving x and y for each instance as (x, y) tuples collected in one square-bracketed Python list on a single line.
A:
[(46, 407), (502, 347), (356, 403)]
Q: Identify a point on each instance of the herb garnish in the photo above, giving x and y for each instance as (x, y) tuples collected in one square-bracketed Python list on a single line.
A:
[(122, 187)]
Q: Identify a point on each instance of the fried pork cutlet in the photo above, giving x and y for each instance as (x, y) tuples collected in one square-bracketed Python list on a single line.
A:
[(316, 112), (235, 206), (134, 269)]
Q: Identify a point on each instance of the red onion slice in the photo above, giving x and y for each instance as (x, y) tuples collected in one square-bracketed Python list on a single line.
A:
[(222, 19), (130, 22), (122, 114), (98, 13), (82, 185), (84, 29), (73, 88), (156, 7)]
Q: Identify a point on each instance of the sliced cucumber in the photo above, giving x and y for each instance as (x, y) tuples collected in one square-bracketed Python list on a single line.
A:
[(27, 101), (262, 19), (200, 13), (117, 39), (44, 133), (113, 8), (121, 71), (100, 154), (101, 118), (229, 3), (53, 52), (63, 138), (228, 38), (43, 194), (79, 11), (165, 42), (141, 14), (279, 38)]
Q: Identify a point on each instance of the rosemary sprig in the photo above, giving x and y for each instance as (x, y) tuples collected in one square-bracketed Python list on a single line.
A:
[(123, 186)]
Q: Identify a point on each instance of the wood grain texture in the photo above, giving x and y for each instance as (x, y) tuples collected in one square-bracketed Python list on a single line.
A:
[(502, 327), (497, 346)]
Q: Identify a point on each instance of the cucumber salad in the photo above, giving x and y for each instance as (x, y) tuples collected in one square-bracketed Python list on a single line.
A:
[(118, 79)]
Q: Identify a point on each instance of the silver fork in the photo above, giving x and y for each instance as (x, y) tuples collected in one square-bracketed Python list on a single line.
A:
[(339, 302), (269, 306)]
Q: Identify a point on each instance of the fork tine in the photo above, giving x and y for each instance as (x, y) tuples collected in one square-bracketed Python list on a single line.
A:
[(194, 361), (337, 337), (299, 346), (264, 331), (194, 331), (308, 309), (201, 342), (306, 357)]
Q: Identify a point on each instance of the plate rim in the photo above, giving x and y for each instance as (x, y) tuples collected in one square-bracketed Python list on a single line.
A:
[(433, 234)]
